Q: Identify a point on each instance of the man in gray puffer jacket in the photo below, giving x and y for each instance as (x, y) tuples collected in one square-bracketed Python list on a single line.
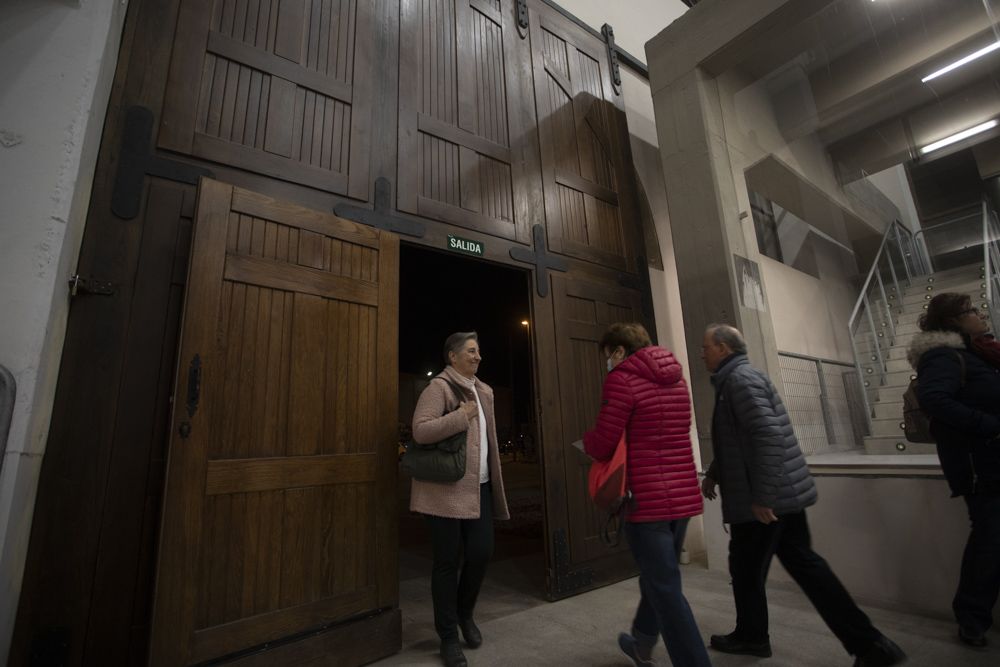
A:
[(766, 487)]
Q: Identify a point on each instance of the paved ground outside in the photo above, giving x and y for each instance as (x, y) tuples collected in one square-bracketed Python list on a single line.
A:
[(520, 628)]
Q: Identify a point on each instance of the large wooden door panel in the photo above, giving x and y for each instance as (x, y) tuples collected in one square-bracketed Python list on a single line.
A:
[(586, 160), (583, 311), (279, 511), (278, 87), (461, 118)]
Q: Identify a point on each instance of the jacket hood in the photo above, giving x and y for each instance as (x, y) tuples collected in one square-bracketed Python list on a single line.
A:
[(654, 363), (925, 341)]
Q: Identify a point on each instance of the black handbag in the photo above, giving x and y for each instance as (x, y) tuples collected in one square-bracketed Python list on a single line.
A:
[(442, 461)]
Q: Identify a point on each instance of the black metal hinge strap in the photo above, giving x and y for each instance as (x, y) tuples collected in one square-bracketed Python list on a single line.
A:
[(137, 160), (543, 261), (381, 216), (79, 285), (609, 40)]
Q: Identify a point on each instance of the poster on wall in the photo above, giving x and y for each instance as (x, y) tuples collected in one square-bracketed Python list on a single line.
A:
[(750, 285)]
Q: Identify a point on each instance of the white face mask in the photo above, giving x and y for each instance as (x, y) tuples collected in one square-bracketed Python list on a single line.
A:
[(611, 364)]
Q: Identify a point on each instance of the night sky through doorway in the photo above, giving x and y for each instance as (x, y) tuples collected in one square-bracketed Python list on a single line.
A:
[(441, 293)]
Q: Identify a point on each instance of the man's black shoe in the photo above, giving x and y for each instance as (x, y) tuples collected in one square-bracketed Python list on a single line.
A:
[(883, 652), (730, 644), (978, 641), (451, 653), (473, 637)]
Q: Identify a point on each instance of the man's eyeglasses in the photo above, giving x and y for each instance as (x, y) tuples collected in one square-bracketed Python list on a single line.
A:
[(969, 311)]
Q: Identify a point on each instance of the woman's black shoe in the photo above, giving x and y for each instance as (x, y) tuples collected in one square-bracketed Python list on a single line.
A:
[(451, 653), (473, 637), (730, 644)]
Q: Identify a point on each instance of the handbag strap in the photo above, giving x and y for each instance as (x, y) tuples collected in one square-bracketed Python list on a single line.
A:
[(459, 394), (611, 533)]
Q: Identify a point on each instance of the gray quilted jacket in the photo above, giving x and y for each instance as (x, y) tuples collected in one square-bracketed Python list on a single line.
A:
[(757, 458)]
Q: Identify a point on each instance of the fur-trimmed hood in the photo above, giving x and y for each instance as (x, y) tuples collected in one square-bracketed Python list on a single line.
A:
[(925, 341)]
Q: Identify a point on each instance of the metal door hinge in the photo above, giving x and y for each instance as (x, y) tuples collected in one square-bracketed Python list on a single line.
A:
[(82, 285)]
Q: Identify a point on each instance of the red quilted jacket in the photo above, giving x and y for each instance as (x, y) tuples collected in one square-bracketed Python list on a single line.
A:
[(647, 395)]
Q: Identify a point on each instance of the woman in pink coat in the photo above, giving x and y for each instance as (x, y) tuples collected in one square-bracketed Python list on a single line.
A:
[(459, 514), (645, 397)]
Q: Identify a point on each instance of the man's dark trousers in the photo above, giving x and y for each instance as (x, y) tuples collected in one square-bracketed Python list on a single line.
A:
[(980, 579), (751, 547), (465, 542)]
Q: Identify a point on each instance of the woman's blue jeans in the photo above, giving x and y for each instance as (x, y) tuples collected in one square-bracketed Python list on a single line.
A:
[(663, 610)]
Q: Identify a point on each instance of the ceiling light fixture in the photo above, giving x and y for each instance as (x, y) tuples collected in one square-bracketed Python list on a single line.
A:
[(958, 136), (958, 63)]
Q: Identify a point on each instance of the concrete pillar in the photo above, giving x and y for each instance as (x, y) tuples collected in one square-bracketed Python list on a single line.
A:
[(708, 229)]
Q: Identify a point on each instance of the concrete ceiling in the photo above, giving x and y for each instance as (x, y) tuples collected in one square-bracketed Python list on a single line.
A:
[(860, 63)]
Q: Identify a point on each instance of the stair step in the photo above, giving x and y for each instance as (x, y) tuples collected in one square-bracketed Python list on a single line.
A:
[(888, 410), (890, 394), (897, 365), (891, 445), (888, 427)]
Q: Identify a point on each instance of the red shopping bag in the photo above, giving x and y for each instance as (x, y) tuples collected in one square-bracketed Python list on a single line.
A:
[(607, 480)]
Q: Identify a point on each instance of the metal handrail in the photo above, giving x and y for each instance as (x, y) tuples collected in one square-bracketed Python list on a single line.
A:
[(871, 272), (893, 229), (922, 264)]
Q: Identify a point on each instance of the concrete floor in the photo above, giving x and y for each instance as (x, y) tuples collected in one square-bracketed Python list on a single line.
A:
[(520, 628)]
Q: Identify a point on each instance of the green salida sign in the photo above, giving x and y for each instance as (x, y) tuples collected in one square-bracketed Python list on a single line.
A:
[(465, 245)]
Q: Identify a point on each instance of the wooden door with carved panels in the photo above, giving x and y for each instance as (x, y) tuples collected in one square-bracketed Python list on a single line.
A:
[(279, 513), (583, 309), (465, 117), (279, 87), (587, 172)]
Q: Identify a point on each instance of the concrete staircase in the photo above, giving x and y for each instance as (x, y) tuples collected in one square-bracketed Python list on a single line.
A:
[(887, 408)]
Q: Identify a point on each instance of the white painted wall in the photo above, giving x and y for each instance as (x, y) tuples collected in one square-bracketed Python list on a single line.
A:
[(810, 314), (57, 62)]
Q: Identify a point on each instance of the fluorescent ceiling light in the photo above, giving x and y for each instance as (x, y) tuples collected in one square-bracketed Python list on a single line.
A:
[(958, 63), (958, 136)]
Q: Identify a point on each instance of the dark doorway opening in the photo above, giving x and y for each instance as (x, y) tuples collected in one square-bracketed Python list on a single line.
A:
[(439, 294)]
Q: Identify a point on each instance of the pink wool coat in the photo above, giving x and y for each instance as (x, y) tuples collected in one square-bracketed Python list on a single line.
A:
[(436, 417), (646, 397)]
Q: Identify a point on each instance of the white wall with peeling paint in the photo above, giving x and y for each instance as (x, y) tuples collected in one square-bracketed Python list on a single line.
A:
[(57, 63)]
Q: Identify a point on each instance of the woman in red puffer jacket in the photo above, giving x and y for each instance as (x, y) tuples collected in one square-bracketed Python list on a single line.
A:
[(645, 397)]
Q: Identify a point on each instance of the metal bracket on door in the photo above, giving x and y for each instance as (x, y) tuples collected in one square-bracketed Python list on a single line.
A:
[(522, 18), (79, 285), (609, 40), (193, 394)]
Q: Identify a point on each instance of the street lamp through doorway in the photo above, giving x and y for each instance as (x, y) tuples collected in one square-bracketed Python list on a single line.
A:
[(510, 383)]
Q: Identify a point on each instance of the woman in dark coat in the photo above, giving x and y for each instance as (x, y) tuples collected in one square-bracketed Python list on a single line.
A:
[(645, 397), (959, 389)]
